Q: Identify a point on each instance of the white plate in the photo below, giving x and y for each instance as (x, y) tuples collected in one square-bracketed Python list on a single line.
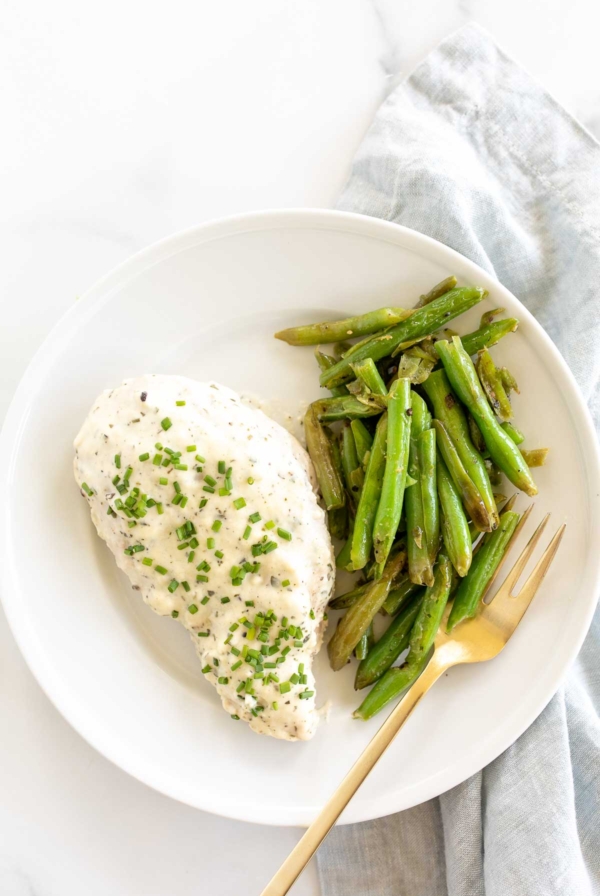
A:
[(205, 304)]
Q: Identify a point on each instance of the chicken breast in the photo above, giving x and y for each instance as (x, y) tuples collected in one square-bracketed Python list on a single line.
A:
[(210, 509)]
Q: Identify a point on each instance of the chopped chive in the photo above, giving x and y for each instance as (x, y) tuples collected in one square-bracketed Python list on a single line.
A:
[(254, 517), (210, 543), (166, 462), (249, 603), (221, 466), (200, 459), (306, 694), (283, 533), (275, 705), (191, 556), (174, 613), (177, 487), (224, 492), (234, 626), (225, 600), (208, 488), (193, 609), (180, 404), (203, 634), (219, 554), (177, 499), (270, 546), (159, 508), (216, 525), (239, 503), (116, 479), (131, 524), (285, 583), (228, 483), (294, 678), (206, 669), (183, 502), (250, 480), (237, 581), (158, 446), (205, 600), (180, 466), (163, 480), (201, 578), (127, 474), (166, 424), (210, 480), (247, 532), (186, 586), (285, 687), (89, 491), (118, 461), (203, 503), (161, 570), (190, 448), (173, 585), (223, 680), (144, 456), (236, 665)]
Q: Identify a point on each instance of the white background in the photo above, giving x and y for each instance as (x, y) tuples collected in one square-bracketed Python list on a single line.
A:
[(120, 123)]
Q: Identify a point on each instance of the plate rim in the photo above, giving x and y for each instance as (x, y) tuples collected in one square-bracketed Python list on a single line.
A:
[(16, 420)]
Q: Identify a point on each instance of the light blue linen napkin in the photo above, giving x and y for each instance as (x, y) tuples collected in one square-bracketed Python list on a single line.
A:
[(471, 151)]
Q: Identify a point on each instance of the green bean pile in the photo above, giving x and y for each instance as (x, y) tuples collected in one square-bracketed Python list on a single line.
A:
[(407, 452)]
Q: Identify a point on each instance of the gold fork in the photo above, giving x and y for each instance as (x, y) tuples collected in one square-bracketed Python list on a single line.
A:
[(473, 641)]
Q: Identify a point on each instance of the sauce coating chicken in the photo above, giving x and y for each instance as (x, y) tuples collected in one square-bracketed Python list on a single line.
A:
[(210, 509)]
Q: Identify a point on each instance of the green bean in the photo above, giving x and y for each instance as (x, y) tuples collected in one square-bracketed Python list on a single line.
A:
[(535, 457), (362, 539), (338, 330), (357, 619), (515, 434), (488, 335), (448, 411), (476, 436), (392, 643), (401, 594), (343, 601), (363, 440), (343, 560), (440, 289), (422, 637), (485, 562), (321, 454), (463, 482), (370, 376), (325, 362), (394, 478), (455, 528), (346, 407), (422, 322), (488, 316), (508, 380), (337, 522), (351, 465), (493, 386), (429, 494), (419, 560), (365, 644), (464, 380)]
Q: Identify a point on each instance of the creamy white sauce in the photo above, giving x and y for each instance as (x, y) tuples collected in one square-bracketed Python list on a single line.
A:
[(223, 428)]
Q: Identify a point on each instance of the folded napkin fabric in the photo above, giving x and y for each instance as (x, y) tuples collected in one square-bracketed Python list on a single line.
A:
[(472, 151)]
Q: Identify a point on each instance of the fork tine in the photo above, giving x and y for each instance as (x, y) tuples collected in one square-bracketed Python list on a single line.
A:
[(515, 535), (534, 581), (513, 576)]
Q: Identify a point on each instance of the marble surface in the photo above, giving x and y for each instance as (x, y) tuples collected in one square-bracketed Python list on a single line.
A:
[(123, 122)]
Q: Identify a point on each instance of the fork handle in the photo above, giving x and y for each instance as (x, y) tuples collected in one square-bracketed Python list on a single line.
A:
[(329, 814)]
